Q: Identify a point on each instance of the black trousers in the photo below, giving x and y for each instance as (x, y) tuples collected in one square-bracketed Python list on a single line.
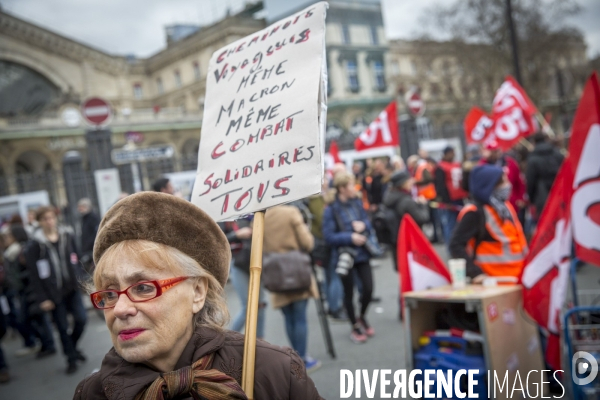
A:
[(71, 304), (365, 275)]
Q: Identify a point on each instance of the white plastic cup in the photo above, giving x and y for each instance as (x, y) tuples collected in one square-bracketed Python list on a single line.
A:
[(458, 271)]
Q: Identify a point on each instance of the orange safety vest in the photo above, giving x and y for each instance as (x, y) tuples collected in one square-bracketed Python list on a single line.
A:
[(363, 194), (505, 255), (427, 191)]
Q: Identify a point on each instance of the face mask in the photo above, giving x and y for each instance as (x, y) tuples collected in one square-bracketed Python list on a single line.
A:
[(503, 192)]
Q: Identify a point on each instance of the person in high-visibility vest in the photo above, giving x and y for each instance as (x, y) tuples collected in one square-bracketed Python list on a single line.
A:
[(424, 181), (488, 233)]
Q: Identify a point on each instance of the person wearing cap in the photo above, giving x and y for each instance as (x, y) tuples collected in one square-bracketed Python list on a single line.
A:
[(424, 182), (488, 233), (398, 198), (161, 264), (494, 156), (449, 190)]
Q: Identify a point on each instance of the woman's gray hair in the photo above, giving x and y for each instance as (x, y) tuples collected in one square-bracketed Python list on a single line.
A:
[(214, 314)]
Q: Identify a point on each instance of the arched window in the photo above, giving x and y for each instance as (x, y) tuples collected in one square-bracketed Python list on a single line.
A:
[(24, 91)]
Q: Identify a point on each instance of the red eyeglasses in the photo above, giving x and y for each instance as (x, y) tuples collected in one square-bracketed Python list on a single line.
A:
[(138, 292)]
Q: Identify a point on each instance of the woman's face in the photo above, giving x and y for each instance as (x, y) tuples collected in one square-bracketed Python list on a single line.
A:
[(154, 332)]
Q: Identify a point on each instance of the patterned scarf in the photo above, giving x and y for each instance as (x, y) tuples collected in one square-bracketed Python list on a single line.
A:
[(498, 199), (195, 381)]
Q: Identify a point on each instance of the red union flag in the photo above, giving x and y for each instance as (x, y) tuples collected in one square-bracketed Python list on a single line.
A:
[(546, 272), (381, 132), (477, 125), (584, 149), (513, 113), (510, 95), (512, 125), (512, 117), (419, 264)]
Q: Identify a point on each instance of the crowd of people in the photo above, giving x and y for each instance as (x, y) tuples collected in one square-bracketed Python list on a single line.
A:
[(482, 208), (43, 265)]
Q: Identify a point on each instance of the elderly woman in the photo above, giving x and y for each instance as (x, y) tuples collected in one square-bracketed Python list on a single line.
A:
[(161, 264)]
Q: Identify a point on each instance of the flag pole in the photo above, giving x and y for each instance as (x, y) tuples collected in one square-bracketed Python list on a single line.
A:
[(258, 233), (525, 143), (545, 125)]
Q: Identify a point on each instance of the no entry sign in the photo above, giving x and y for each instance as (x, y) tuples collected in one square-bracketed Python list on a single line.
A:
[(416, 106), (96, 111)]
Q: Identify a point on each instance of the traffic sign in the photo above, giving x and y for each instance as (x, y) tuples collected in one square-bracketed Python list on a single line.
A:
[(416, 105), (96, 111), (120, 156)]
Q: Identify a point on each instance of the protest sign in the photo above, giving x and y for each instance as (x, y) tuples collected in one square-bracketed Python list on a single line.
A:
[(263, 127)]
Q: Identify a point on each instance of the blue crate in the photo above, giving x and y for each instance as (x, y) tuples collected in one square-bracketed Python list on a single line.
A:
[(437, 355)]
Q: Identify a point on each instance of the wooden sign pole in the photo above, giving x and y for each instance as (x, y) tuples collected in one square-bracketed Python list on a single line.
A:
[(258, 233)]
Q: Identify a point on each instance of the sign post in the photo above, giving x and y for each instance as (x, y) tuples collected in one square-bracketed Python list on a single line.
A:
[(415, 103), (263, 134)]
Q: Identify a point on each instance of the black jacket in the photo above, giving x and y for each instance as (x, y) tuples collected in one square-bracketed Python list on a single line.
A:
[(49, 287), (375, 190), (240, 249), (542, 166), (439, 180), (89, 230), (402, 203), (471, 226)]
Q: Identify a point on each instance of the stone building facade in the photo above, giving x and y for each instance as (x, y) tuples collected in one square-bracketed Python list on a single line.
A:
[(44, 74), (359, 84)]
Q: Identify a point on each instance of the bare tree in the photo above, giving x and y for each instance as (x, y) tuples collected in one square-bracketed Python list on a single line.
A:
[(547, 47)]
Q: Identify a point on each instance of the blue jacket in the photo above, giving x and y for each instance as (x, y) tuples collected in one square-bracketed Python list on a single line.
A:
[(335, 236)]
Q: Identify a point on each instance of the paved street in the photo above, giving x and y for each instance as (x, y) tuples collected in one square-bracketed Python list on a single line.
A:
[(36, 379), (45, 378)]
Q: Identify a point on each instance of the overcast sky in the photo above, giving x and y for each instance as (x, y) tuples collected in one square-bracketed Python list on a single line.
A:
[(137, 26)]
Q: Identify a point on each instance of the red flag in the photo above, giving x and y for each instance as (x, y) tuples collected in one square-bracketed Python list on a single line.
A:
[(510, 94), (546, 272), (584, 149), (513, 113), (512, 125), (512, 117), (419, 264), (477, 125), (381, 132), (335, 152), (333, 157)]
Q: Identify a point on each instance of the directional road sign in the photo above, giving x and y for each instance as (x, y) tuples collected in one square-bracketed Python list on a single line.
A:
[(120, 156)]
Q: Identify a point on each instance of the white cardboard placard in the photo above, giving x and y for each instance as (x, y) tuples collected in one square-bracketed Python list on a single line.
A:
[(263, 126)]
